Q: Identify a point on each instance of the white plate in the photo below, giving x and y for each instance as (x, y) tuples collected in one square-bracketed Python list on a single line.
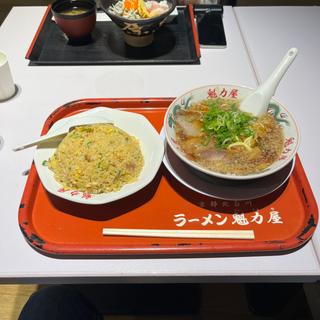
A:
[(152, 148), (219, 188)]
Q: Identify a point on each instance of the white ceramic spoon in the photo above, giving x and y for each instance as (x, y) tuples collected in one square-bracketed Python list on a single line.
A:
[(257, 102)]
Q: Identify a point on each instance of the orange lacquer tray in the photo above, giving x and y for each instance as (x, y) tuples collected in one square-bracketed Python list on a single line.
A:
[(282, 221)]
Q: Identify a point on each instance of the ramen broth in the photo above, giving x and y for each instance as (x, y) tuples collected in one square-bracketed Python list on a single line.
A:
[(251, 146)]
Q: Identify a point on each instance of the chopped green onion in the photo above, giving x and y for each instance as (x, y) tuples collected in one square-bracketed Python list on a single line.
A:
[(227, 125)]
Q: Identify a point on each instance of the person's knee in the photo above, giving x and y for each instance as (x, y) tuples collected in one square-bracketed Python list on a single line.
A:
[(53, 293), (58, 302)]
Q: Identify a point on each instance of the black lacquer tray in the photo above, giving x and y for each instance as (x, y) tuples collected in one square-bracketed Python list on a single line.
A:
[(175, 43)]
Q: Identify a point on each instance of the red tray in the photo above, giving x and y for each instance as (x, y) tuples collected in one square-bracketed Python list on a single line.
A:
[(58, 227)]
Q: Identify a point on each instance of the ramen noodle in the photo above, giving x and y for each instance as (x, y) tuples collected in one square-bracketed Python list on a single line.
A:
[(219, 137), (96, 159)]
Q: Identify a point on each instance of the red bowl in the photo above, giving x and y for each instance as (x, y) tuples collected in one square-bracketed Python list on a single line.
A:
[(76, 18)]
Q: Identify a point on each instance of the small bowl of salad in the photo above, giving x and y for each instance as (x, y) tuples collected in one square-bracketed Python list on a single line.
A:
[(138, 19)]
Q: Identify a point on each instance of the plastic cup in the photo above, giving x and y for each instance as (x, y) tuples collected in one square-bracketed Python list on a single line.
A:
[(7, 86)]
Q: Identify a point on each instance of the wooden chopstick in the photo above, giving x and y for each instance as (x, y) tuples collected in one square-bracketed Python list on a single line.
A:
[(211, 234)]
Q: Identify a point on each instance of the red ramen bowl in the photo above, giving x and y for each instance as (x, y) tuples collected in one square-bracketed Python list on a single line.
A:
[(174, 122), (76, 18)]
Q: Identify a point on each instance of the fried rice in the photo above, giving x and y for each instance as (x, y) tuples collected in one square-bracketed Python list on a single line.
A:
[(97, 159)]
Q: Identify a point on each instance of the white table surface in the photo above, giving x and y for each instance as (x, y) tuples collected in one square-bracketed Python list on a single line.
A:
[(268, 33), (43, 89)]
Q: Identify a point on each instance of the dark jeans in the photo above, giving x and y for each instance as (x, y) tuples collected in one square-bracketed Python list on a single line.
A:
[(58, 303)]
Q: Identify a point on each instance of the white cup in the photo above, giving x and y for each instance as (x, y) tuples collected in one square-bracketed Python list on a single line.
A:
[(7, 87)]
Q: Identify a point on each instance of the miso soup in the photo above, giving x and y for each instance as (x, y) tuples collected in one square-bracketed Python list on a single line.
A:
[(74, 11)]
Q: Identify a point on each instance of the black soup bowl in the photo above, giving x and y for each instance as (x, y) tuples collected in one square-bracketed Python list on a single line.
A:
[(76, 18), (137, 32)]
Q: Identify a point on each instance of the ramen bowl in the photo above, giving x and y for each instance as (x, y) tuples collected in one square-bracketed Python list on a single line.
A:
[(236, 93), (137, 32), (76, 18)]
